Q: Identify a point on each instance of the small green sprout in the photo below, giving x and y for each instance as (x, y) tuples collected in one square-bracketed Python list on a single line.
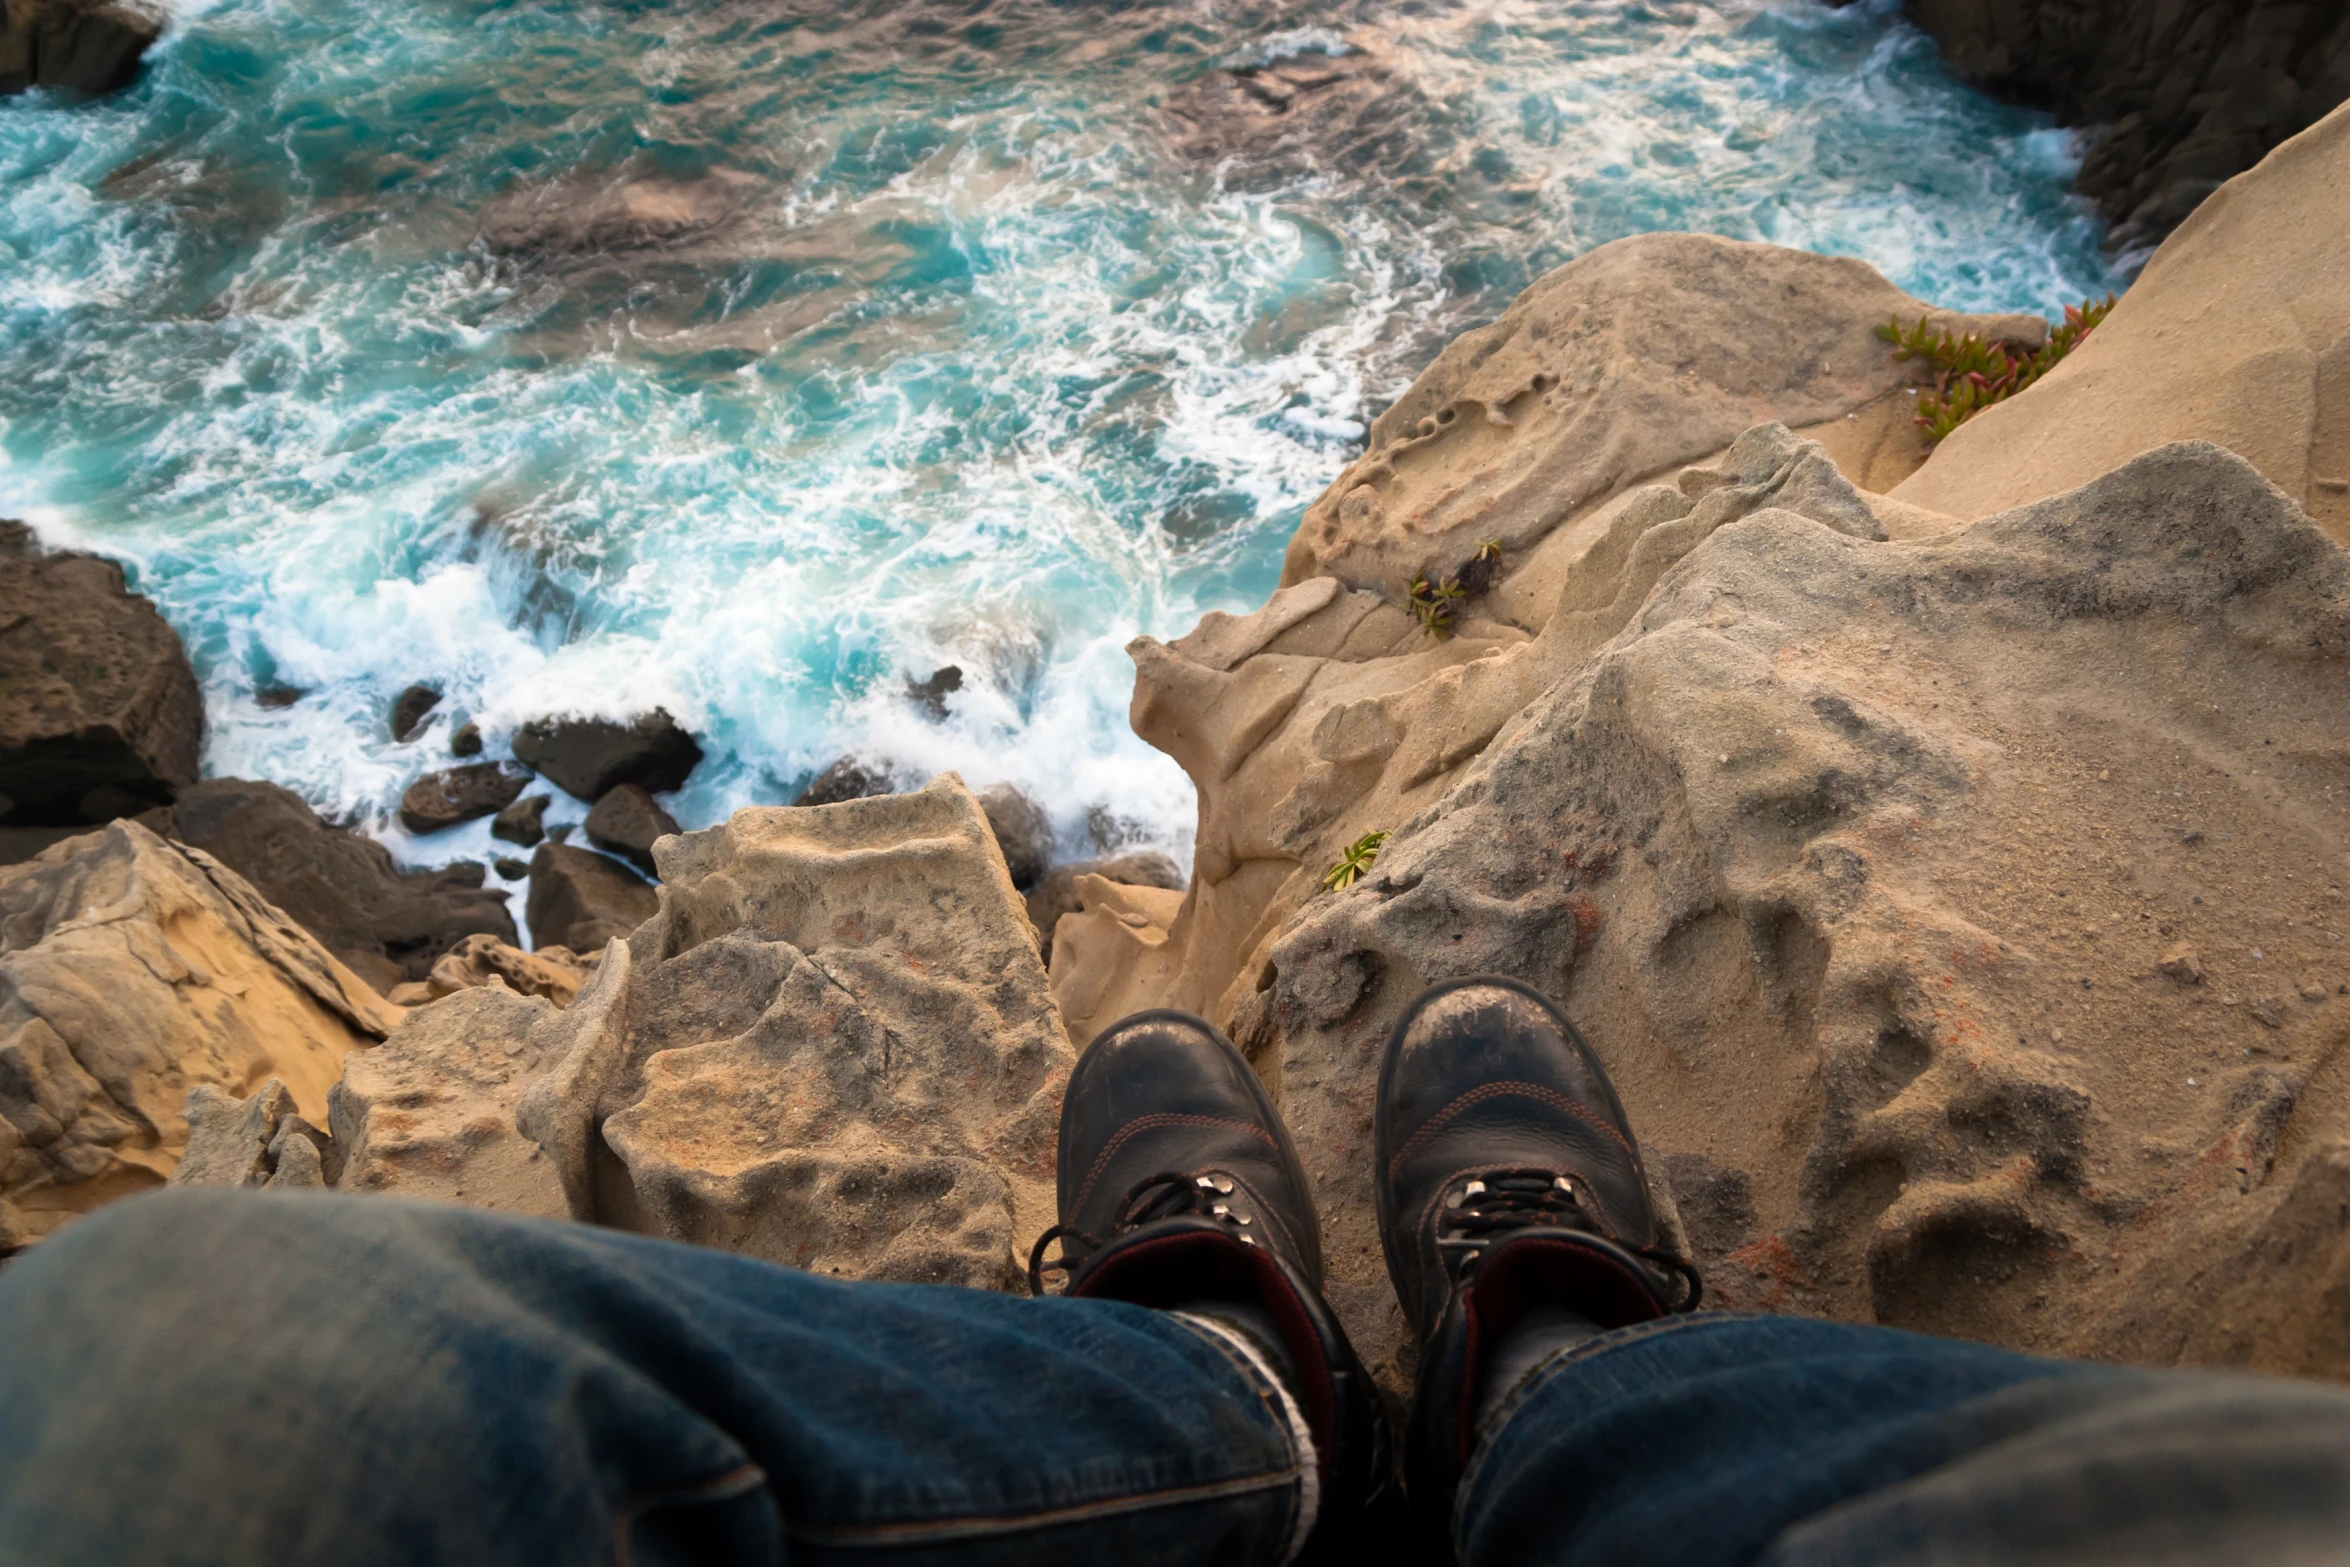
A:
[(1487, 549), (1432, 604), (1971, 374), (1359, 857)]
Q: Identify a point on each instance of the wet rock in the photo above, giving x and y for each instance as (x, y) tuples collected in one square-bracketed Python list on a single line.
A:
[(581, 900), (1262, 120), (99, 712), (626, 821), (1022, 831), (523, 822), (84, 46), (275, 698), (132, 969), (1056, 893), (589, 757), (410, 709), (466, 741), (849, 778), (931, 695), (343, 888), (460, 794), (510, 868)]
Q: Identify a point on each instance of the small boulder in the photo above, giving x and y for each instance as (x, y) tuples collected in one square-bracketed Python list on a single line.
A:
[(589, 757), (273, 698), (100, 716), (510, 868), (1022, 831), (931, 695), (1056, 894), (523, 822), (459, 794), (581, 900), (466, 741), (626, 821), (552, 972), (410, 709), (850, 778)]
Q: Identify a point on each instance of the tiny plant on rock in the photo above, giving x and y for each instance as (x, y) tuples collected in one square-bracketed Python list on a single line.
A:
[(1359, 857), (1971, 374)]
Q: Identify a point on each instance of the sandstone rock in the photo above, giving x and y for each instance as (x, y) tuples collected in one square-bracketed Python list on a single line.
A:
[(460, 794), (229, 1138), (1646, 354), (84, 46), (410, 709), (99, 712), (1112, 936), (132, 969), (833, 1047), (581, 900), (523, 822), (626, 822), (1056, 895), (2238, 332), (848, 778), (1022, 831), (343, 888), (2182, 95), (551, 972), (1816, 852), (589, 757)]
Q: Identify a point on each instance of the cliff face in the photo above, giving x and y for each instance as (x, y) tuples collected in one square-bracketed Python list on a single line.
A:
[(2191, 92)]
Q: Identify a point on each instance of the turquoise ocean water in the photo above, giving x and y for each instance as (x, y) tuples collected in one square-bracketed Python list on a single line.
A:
[(751, 358)]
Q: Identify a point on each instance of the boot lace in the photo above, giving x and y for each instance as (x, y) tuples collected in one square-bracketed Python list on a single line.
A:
[(1493, 1206), (1167, 1195)]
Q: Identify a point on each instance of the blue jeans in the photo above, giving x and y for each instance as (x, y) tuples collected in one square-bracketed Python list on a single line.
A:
[(246, 1377)]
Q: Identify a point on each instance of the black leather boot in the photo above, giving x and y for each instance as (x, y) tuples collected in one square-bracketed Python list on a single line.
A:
[(1179, 1189), (1508, 1182)]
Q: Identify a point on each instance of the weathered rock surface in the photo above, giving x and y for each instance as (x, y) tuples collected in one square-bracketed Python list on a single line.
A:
[(847, 778), (343, 888), (555, 973), (581, 900), (99, 712), (627, 821), (1021, 830), (2183, 96), (257, 1141), (456, 795), (523, 822), (833, 1047), (1056, 894), (2238, 332), (1858, 863), (589, 757), (1647, 353), (410, 709), (132, 969), (86, 46)]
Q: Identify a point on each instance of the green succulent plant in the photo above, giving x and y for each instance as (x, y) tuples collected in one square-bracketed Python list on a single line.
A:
[(1971, 374), (1359, 857), (1433, 603)]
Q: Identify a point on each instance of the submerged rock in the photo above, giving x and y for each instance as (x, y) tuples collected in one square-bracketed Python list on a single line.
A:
[(99, 712), (131, 969), (343, 888), (1022, 831), (410, 709), (589, 757), (460, 794), (931, 695), (627, 821), (523, 822)]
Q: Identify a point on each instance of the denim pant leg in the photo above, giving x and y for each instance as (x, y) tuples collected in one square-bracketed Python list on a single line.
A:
[(1724, 1439), (255, 1377)]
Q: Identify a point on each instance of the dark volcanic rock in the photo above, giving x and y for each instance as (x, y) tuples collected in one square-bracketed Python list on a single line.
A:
[(1056, 894), (581, 900), (88, 46), (626, 821), (2187, 94), (522, 822), (589, 757), (410, 709), (344, 889), (850, 778), (460, 794), (466, 741), (931, 695), (1022, 831), (510, 868), (275, 697), (99, 712)]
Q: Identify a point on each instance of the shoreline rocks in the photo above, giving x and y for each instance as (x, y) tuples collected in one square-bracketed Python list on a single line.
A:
[(83, 46), (456, 795), (579, 899), (589, 757)]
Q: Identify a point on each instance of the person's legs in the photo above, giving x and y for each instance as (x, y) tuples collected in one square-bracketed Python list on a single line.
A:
[(1566, 1414), (203, 1377), (1721, 1439)]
